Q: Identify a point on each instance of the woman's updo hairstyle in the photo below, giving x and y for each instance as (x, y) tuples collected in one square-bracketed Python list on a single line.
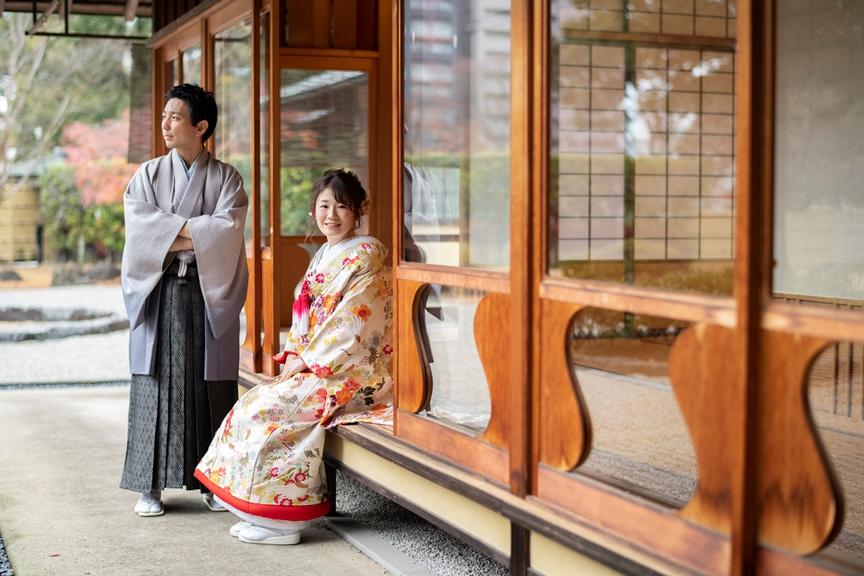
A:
[(346, 188)]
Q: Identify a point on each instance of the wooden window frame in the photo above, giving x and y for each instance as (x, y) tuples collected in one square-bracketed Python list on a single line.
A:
[(708, 542), (592, 517)]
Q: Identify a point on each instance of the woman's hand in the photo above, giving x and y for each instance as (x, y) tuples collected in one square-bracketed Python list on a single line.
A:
[(293, 365)]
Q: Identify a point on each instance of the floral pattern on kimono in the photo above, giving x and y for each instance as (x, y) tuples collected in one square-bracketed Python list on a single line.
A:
[(266, 458)]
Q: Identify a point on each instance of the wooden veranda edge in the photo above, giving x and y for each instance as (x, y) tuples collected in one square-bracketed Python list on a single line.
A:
[(530, 513)]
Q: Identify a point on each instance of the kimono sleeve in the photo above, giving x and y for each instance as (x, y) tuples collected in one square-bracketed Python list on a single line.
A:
[(355, 332)]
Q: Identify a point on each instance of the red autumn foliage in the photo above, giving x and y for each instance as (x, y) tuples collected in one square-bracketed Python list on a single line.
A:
[(97, 153)]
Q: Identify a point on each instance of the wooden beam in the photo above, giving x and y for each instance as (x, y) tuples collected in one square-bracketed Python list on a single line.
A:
[(100, 9), (131, 9)]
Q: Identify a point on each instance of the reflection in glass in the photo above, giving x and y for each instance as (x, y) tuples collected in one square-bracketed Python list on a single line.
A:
[(172, 72), (642, 164), (109, 25), (460, 394), (456, 176), (232, 61), (192, 65), (818, 200), (640, 441), (264, 122), (325, 124), (835, 388), (712, 18)]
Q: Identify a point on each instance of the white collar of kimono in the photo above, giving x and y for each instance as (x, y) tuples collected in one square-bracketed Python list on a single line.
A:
[(189, 168), (327, 252)]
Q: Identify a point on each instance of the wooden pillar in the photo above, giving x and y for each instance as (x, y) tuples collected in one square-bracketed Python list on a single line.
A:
[(751, 288), (269, 287)]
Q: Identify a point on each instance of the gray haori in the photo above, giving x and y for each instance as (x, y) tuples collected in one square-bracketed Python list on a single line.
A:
[(158, 202)]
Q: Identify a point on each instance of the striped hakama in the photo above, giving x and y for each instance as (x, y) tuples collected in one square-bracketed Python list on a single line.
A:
[(174, 413)]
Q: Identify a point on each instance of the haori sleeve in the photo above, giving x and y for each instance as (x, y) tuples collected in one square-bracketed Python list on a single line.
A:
[(150, 231)]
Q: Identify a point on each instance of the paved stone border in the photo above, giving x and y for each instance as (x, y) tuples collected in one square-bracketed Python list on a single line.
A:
[(54, 330), (27, 385)]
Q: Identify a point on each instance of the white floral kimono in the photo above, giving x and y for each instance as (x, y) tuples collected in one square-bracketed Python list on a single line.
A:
[(266, 458)]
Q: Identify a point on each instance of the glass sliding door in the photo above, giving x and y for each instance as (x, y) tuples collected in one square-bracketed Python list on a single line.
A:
[(232, 62), (641, 145), (325, 124), (456, 133)]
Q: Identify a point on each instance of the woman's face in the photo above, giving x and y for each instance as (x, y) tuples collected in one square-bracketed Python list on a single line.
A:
[(335, 220)]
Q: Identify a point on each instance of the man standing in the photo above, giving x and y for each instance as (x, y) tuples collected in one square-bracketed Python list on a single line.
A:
[(184, 284)]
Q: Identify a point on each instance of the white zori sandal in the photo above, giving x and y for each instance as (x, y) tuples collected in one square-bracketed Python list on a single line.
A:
[(253, 534), (150, 504)]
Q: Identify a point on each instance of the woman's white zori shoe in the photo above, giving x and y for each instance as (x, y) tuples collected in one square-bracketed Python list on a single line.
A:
[(253, 534), (235, 528)]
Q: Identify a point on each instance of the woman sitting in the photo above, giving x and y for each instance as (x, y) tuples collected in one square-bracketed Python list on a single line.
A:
[(265, 462)]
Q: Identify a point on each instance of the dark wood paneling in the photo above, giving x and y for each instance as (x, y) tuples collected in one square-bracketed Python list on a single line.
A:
[(367, 26), (520, 550), (322, 25), (344, 23), (300, 18)]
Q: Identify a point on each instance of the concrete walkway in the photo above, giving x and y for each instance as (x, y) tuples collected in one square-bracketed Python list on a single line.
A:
[(61, 512)]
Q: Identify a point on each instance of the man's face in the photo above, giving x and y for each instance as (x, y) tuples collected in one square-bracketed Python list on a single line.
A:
[(177, 128)]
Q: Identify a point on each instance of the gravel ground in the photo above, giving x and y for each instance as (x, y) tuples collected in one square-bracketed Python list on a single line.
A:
[(60, 360), (97, 297), (429, 547), (5, 567)]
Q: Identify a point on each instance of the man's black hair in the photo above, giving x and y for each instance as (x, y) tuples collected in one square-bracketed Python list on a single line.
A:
[(201, 105)]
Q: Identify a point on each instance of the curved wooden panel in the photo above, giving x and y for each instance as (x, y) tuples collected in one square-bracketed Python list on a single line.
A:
[(701, 373), (412, 368), (564, 423), (798, 502), (492, 335)]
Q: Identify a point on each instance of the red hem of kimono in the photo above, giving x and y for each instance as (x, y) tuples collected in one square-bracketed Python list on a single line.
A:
[(273, 511)]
